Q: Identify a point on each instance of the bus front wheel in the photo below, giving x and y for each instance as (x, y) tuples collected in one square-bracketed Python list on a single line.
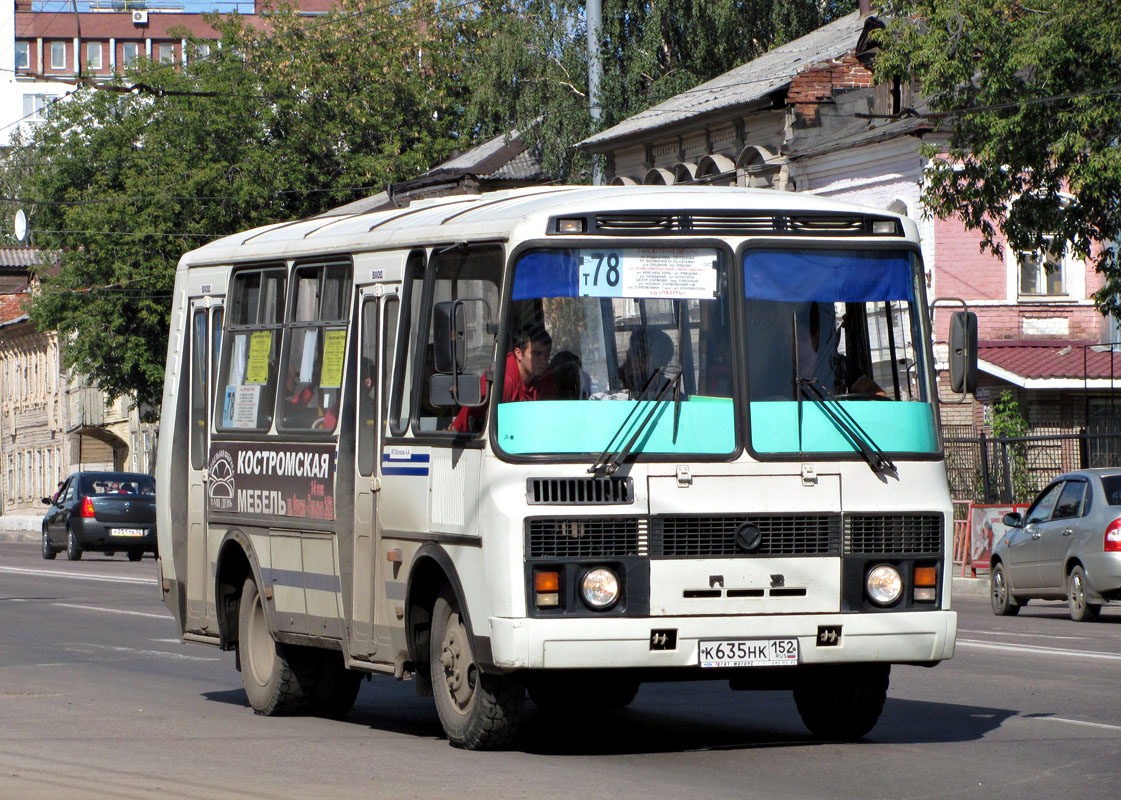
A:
[(844, 701), (477, 711), (272, 683)]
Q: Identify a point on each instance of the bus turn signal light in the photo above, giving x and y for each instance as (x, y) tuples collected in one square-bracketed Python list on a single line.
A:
[(546, 586), (926, 576)]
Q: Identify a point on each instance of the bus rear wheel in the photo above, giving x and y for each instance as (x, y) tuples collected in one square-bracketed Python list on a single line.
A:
[(842, 702), (477, 711), (274, 684)]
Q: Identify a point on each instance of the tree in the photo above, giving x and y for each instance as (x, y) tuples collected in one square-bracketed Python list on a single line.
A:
[(289, 116), (1030, 92), (530, 71)]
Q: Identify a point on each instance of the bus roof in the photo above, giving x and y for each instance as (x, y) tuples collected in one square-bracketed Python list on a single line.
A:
[(498, 216)]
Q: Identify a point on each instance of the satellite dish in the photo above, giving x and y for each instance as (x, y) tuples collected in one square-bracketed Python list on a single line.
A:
[(20, 225)]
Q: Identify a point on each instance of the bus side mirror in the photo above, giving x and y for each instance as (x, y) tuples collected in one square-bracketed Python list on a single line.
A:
[(963, 352), (460, 390), (449, 336), (454, 324)]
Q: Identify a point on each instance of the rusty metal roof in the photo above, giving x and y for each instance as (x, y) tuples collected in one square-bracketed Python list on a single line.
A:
[(1055, 363)]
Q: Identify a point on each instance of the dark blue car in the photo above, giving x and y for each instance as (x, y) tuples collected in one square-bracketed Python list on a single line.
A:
[(102, 511)]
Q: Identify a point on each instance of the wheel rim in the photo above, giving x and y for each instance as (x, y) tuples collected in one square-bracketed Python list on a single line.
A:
[(460, 672), (46, 544), (999, 589), (71, 542), (1077, 592), (259, 645)]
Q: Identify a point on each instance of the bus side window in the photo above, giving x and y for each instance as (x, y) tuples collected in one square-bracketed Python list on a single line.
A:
[(246, 389), (199, 351), (315, 347), (459, 273), (368, 389), (400, 404)]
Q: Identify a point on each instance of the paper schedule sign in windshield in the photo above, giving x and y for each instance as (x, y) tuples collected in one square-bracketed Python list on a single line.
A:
[(686, 274)]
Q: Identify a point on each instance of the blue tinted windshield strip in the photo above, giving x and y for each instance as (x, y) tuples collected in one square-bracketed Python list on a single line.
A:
[(851, 276), (550, 273)]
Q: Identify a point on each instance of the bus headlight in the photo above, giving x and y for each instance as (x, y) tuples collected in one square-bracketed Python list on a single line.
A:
[(600, 588), (883, 585)]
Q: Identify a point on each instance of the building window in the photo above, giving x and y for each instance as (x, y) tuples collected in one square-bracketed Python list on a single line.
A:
[(23, 55), (58, 55), (93, 55), (1042, 273), (35, 104), (202, 51), (130, 51), (166, 52)]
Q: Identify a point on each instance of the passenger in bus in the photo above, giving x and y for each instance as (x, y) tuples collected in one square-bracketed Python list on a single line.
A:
[(649, 351), (526, 376), (568, 376), (820, 359)]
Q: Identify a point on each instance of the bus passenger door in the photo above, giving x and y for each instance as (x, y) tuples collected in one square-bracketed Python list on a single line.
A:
[(367, 487), (205, 341)]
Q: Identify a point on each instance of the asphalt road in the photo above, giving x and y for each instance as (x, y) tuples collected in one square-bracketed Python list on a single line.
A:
[(99, 699)]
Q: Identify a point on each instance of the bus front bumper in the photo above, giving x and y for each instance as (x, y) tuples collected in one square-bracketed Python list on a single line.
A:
[(905, 637)]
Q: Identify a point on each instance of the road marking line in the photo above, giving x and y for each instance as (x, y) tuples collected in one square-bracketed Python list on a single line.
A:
[(1079, 722), (1018, 633), (113, 611), (79, 576), (138, 651), (1042, 651)]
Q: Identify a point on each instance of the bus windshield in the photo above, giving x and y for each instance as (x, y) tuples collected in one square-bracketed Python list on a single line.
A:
[(610, 346), (835, 358)]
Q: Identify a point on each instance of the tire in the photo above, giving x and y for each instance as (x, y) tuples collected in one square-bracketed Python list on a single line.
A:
[(842, 702), (1004, 602), (477, 711), (274, 684), (135, 555), (73, 549), (335, 687), (567, 691), (48, 550), (1080, 610)]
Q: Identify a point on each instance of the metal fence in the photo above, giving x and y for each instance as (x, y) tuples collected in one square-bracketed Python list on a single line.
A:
[(987, 469)]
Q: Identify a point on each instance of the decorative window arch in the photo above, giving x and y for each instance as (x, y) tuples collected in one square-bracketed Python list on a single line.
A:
[(623, 180), (684, 172), (898, 206), (716, 169), (759, 165), (658, 176)]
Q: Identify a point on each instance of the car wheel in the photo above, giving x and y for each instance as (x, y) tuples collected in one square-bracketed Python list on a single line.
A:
[(135, 555), (1080, 610), (73, 549), (477, 711), (48, 550), (844, 701), (1004, 604), (274, 683)]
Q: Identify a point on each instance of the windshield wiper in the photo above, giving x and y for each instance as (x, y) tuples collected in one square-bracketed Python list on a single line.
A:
[(609, 461), (856, 436)]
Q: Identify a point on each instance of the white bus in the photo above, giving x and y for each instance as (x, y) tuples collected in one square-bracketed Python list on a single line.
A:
[(559, 442)]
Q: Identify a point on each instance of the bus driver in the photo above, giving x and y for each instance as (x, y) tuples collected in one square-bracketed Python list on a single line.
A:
[(526, 376)]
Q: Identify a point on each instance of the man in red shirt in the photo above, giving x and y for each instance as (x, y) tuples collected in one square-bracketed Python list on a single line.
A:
[(524, 378)]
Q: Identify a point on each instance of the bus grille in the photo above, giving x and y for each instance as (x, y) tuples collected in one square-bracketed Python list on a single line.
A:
[(731, 223), (783, 535), (579, 491), (586, 537), (904, 534)]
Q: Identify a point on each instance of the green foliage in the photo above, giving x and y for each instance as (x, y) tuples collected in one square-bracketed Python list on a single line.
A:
[(279, 122), (1008, 422), (1032, 94), (1007, 419)]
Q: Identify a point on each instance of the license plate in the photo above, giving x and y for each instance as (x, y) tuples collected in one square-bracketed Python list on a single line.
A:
[(748, 652), (128, 532)]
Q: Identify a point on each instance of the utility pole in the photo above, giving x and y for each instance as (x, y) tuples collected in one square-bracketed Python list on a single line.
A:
[(593, 11)]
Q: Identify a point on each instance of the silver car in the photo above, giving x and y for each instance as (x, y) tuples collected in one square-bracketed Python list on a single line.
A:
[(1067, 545)]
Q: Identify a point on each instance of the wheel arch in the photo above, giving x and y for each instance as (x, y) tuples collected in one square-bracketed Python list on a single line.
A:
[(237, 561), (432, 570)]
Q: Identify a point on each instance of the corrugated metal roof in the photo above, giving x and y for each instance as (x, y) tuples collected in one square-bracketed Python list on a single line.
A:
[(17, 257), (1041, 360), (746, 83)]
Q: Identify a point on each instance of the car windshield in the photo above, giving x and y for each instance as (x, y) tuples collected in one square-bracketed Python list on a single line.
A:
[(99, 485), (835, 353), (618, 350), (1112, 486)]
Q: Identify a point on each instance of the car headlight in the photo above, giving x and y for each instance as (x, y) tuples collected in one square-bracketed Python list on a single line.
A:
[(883, 585), (600, 588)]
